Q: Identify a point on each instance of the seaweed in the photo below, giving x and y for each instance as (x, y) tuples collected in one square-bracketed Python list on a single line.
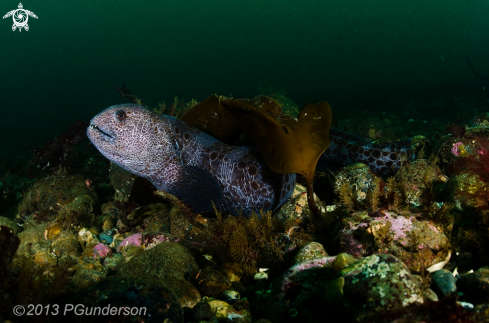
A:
[(287, 145), (252, 243), (214, 119), (375, 194), (347, 197), (473, 233), (384, 236), (470, 237)]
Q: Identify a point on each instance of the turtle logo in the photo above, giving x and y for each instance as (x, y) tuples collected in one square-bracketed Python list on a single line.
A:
[(20, 17)]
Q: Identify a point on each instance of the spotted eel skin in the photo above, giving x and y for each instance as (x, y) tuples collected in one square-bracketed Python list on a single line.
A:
[(188, 163), (382, 159)]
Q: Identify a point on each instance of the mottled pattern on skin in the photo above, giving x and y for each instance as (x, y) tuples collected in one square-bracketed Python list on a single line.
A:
[(188, 163), (382, 159)]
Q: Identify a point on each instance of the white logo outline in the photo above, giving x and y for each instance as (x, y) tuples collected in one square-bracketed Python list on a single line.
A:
[(20, 17)]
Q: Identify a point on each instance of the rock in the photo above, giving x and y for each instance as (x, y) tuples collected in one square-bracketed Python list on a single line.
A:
[(101, 251), (10, 224), (122, 181), (464, 188), (145, 299), (187, 294), (145, 241), (8, 246), (219, 308), (430, 295), (415, 242), (342, 261), (169, 260), (308, 264), (378, 284), (210, 282), (232, 271), (358, 177), (87, 238), (107, 236), (296, 208), (230, 296), (110, 209), (225, 312), (202, 312), (66, 244), (89, 273), (310, 251), (52, 193), (78, 212), (153, 218), (112, 261), (35, 244), (475, 286), (444, 283), (132, 240)]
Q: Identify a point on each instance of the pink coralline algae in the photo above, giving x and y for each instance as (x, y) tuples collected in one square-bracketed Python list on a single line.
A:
[(135, 240), (399, 226), (101, 251), (455, 148), (145, 242), (291, 277)]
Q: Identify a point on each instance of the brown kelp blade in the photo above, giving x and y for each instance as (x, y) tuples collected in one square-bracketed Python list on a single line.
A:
[(214, 119), (288, 146)]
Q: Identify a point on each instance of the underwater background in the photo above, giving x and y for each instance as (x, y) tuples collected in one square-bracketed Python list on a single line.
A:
[(390, 224), (66, 66)]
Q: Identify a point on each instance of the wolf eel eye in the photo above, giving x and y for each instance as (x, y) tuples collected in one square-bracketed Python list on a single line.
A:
[(121, 115)]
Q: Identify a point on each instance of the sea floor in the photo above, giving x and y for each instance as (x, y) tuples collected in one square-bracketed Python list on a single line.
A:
[(83, 239)]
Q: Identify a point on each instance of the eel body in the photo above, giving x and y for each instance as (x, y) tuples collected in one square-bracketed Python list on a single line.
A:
[(382, 159), (200, 170), (187, 163)]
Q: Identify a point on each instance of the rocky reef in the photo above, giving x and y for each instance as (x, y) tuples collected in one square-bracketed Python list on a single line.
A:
[(407, 248)]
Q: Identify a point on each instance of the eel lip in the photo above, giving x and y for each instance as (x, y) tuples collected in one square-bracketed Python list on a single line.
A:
[(93, 126)]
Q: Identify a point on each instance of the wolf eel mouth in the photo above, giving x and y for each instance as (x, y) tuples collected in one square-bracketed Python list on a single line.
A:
[(93, 126)]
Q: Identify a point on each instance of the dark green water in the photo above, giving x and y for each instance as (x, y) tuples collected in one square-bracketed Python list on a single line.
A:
[(67, 65)]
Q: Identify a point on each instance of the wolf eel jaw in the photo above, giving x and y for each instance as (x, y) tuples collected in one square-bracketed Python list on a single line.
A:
[(93, 126)]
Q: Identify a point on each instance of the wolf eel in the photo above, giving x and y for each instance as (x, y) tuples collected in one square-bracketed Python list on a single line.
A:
[(198, 169), (188, 163), (382, 159)]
